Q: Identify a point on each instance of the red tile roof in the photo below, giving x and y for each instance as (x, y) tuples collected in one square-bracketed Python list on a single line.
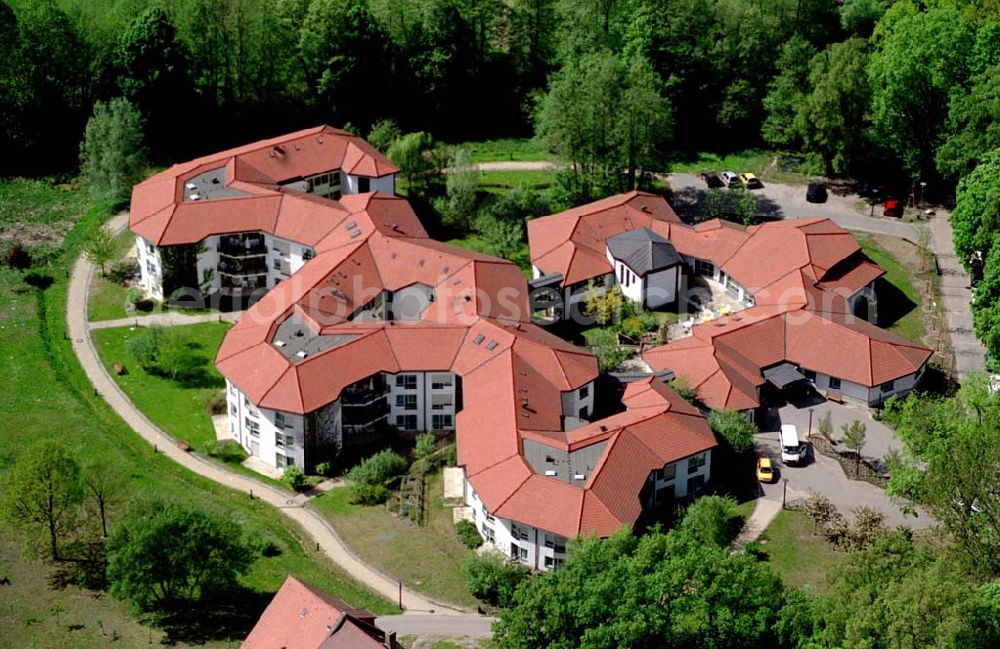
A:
[(254, 202), (300, 617)]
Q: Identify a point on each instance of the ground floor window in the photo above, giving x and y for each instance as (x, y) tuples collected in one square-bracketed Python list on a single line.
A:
[(695, 483), (552, 563), (441, 422), (406, 422), (834, 383), (887, 387)]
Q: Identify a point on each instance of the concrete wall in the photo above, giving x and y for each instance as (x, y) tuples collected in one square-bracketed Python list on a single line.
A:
[(385, 184), (150, 268), (277, 438), (872, 396), (433, 393), (626, 278), (573, 402)]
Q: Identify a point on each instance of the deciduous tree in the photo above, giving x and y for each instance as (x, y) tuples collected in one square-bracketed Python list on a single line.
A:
[(733, 429), (44, 493), (100, 247)]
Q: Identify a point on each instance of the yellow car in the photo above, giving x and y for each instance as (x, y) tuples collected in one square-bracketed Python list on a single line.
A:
[(765, 473), (750, 181)]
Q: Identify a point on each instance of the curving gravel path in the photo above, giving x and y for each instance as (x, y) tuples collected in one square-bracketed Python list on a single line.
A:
[(293, 507)]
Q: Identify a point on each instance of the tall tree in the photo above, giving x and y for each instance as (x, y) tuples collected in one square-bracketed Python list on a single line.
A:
[(44, 493), (915, 72), (786, 93), (832, 119), (163, 552), (105, 488), (112, 156), (976, 217), (973, 125)]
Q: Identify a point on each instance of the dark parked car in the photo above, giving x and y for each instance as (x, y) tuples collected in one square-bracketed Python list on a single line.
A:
[(711, 179), (816, 193)]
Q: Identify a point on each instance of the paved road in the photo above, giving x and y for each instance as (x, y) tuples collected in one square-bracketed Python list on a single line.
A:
[(783, 201), (471, 626), (822, 474), (291, 506), (957, 296), (168, 319)]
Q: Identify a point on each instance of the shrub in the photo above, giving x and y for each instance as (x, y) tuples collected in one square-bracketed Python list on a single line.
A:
[(121, 272), (228, 450), (683, 389), (492, 578), (134, 296), (366, 494), (16, 256), (145, 348), (713, 519), (378, 469), (468, 534), (451, 458), (294, 477), (425, 445), (324, 469), (217, 404), (733, 429)]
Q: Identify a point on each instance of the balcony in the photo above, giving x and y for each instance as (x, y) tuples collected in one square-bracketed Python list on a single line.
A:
[(242, 245), (242, 266), (245, 284)]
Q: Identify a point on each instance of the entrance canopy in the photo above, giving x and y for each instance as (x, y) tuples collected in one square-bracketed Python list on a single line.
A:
[(783, 375)]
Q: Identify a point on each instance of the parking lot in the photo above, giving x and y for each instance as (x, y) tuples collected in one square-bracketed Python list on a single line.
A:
[(821, 474)]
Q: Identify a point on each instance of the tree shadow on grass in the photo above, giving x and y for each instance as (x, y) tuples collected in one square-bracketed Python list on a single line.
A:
[(217, 617)]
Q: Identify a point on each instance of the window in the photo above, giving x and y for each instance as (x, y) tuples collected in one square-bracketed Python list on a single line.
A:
[(704, 267), (289, 461), (277, 264), (307, 254), (887, 387), (289, 441), (517, 532), (406, 422), (150, 268), (406, 401), (488, 533), (279, 440), (551, 563), (670, 472), (279, 420), (488, 515), (834, 383), (364, 185), (252, 426), (233, 410), (809, 374), (557, 543), (695, 483), (523, 554), (695, 463), (440, 381), (150, 248), (585, 392), (583, 412), (440, 422), (406, 381)]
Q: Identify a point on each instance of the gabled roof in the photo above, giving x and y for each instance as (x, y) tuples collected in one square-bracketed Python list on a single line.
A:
[(238, 190), (300, 617), (643, 251)]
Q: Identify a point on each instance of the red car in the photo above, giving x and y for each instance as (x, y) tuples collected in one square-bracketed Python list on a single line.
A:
[(892, 208)]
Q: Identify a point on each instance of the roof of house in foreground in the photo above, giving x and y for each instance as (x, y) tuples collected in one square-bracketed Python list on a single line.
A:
[(239, 190), (478, 325), (301, 617)]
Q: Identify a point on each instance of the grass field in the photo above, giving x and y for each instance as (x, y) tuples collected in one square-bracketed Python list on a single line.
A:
[(753, 160), (800, 557), (427, 558), (899, 274), (498, 182), (506, 149), (522, 257), (107, 299), (47, 396), (177, 407)]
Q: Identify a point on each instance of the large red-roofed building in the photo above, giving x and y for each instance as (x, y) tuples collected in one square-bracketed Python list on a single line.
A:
[(383, 328)]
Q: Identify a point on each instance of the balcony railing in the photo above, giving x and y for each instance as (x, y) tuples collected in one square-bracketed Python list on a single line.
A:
[(242, 245), (244, 284), (243, 266)]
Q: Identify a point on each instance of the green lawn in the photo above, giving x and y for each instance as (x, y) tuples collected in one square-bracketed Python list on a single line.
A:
[(801, 558), (47, 396), (427, 558), (107, 299), (175, 406), (498, 182), (506, 149), (911, 324), (753, 160), (472, 241)]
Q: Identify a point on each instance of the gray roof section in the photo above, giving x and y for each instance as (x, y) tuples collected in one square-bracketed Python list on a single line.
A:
[(208, 185), (783, 375), (643, 251), (563, 465), (299, 342)]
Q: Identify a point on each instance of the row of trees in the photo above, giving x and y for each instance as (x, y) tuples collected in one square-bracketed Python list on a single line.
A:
[(153, 553), (914, 85)]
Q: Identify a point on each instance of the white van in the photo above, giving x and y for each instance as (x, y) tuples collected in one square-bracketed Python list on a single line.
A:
[(792, 452)]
